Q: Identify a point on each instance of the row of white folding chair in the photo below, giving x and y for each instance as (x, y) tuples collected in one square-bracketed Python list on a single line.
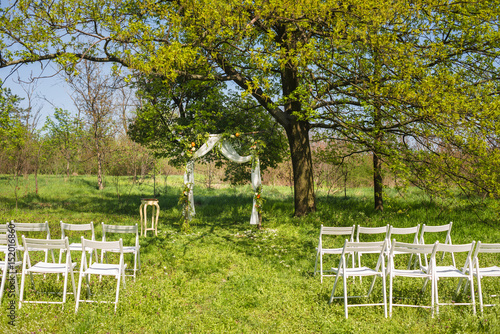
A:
[(108, 229), (487, 271), (9, 262), (67, 268), (387, 232), (44, 227), (65, 227), (432, 273)]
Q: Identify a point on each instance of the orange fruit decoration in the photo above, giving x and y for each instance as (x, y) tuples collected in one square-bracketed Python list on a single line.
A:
[(237, 134), (193, 144)]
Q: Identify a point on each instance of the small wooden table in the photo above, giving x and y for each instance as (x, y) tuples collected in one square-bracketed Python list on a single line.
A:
[(154, 222)]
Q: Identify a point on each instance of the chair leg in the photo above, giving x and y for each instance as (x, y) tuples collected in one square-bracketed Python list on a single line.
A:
[(79, 291), (135, 264), (321, 267), (117, 290), (384, 287), (433, 298), (333, 290), (344, 280), (21, 296), (480, 293), (371, 286), (390, 295), (473, 299), (65, 288), (436, 295)]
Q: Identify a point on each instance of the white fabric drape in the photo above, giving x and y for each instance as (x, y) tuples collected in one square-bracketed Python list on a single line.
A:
[(229, 152), (256, 182)]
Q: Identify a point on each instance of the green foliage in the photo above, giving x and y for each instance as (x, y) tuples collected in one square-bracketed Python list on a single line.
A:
[(12, 131), (176, 119)]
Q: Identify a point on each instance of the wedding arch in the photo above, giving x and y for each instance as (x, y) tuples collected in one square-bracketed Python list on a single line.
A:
[(229, 152)]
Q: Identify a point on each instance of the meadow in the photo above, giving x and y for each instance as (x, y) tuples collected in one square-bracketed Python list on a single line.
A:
[(226, 276)]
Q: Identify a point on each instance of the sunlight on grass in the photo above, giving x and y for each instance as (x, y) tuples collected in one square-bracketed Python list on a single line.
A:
[(225, 275)]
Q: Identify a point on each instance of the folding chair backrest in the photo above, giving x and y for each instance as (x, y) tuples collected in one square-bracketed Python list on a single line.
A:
[(438, 229), (412, 248), (463, 248), (404, 231), (393, 231), (106, 245), (456, 248), (372, 230), (3, 239), (486, 248), (77, 227), (31, 244), (335, 231), (33, 227), (365, 247), (133, 229)]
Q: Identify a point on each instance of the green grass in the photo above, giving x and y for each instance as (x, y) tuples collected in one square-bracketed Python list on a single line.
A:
[(226, 276)]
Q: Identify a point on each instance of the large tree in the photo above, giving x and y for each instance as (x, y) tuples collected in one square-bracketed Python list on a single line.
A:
[(369, 70)]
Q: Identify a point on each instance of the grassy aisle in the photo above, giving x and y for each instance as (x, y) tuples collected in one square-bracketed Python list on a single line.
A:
[(224, 275)]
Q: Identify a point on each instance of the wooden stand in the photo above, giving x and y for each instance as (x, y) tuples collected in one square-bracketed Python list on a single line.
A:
[(154, 222)]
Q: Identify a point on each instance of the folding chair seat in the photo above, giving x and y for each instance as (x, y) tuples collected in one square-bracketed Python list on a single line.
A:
[(323, 248), (133, 249), (480, 272), (399, 249), (100, 268), (442, 229), (344, 272), (9, 262), (42, 267), (451, 271), (35, 227), (76, 246), (404, 231)]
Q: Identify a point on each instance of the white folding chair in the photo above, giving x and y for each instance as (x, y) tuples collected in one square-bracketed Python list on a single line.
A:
[(452, 271), (323, 248), (101, 269), (76, 246), (404, 231), (382, 232), (398, 249), (35, 227), (437, 229), (344, 272), (480, 272), (135, 249), (66, 269), (9, 262)]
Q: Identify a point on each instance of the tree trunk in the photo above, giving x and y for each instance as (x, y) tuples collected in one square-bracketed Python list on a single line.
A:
[(99, 167), (67, 169), (300, 151), (377, 183)]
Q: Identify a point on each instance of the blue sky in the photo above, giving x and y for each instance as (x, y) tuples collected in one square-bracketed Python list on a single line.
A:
[(50, 90)]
